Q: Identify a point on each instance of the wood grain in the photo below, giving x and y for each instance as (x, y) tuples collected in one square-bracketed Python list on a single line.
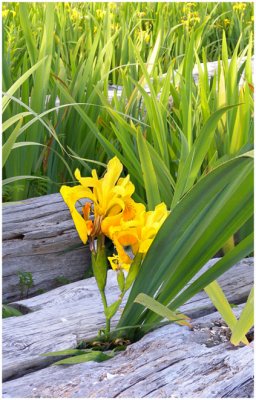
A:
[(62, 317), (36, 235), (172, 361)]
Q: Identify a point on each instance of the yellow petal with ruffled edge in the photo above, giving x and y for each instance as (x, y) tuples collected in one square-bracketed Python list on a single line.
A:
[(71, 195), (85, 182), (107, 198), (124, 187), (153, 222), (157, 216), (132, 215)]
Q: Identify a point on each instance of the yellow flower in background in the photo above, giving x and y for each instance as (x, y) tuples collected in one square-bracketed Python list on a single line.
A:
[(143, 35), (100, 13), (115, 27), (190, 19), (184, 21), (141, 14), (226, 22), (5, 13), (109, 196), (75, 14), (187, 6), (147, 37), (239, 6), (112, 6)]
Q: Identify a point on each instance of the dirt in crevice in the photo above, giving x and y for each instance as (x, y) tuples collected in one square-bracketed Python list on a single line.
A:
[(217, 332)]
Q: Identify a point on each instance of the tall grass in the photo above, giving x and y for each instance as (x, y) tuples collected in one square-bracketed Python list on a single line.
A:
[(86, 47)]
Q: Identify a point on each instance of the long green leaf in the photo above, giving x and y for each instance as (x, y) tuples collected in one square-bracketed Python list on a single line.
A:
[(240, 251), (150, 65), (97, 356), (148, 173), (12, 120), (162, 310), (245, 321), (7, 181), (18, 83), (25, 24), (188, 174), (214, 209), (67, 352), (7, 147)]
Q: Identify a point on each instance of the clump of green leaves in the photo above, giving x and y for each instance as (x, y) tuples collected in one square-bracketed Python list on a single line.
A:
[(25, 283)]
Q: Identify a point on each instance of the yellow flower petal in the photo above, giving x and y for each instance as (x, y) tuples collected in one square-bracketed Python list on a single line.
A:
[(145, 245), (114, 170), (123, 256), (85, 182), (116, 264), (71, 195)]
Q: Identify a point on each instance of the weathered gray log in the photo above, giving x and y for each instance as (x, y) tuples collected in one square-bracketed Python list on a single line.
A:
[(172, 361), (62, 317), (36, 233)]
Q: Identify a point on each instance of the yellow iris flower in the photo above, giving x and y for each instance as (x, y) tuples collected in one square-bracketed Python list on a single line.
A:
[(138, 234), (110, 195), (109, 210)]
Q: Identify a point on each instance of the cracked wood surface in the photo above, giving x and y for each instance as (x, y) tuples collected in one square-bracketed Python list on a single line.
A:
[(35, 234), (172, 361), (62, 317)]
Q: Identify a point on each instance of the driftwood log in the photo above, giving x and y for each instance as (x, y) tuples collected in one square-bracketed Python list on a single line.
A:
[(36, 234), (173, 361)]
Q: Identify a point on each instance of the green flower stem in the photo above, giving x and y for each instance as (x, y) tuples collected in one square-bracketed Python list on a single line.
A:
[(100, 267), (105, 305), (125, 284)]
